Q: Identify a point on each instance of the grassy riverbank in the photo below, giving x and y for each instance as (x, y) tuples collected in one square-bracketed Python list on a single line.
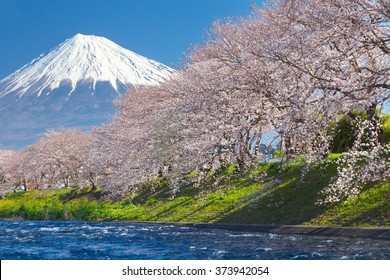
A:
[(225, 196)]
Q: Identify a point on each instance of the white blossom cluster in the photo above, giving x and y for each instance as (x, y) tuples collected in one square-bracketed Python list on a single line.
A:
[(367, 161)]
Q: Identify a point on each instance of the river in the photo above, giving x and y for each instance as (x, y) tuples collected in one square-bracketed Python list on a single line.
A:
[(66, 240)]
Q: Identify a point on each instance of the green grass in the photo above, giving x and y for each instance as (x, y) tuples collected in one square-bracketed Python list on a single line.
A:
[(269, 194), (370, 208)]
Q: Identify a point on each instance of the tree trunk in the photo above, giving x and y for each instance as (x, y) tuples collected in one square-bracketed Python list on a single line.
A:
[(24, 183)]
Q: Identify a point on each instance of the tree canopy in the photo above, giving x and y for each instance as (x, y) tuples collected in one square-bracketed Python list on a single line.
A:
[(293, 67)]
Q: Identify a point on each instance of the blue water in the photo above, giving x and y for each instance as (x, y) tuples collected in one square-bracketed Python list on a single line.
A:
[(112, 240)]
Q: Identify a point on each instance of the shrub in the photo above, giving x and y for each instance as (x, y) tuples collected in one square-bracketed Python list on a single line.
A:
[(346, 127)]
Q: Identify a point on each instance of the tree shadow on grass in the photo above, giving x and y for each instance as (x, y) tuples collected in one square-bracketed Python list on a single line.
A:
[(371, 208), (279, 198), (378, 216), (167, 212), (77, 193), (290, 202)]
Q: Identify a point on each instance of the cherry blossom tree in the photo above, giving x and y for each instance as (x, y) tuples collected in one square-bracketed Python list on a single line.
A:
[(12, 168), (5, 162), (365, 162), (295, 66), (341, 48), (4, 158), (340, 45), (122, 152), (59, 158)]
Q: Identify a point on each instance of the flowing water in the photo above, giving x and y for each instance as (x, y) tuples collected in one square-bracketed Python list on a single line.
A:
[(124, 240)]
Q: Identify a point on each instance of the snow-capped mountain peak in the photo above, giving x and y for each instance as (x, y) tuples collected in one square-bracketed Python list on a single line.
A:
[(71, 86), (85, 58)]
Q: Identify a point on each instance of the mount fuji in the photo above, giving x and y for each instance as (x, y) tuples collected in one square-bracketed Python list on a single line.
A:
[(71, 86)]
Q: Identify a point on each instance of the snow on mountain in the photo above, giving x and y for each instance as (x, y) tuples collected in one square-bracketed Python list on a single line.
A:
[(84, 57), (72, 86)]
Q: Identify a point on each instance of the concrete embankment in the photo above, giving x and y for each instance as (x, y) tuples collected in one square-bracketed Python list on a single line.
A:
[(339, 232)]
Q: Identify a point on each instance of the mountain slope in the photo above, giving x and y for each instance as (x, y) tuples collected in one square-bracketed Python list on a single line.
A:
[(72, 86)]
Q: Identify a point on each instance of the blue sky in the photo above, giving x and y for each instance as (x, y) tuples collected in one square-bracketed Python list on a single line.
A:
[(162, 30)]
